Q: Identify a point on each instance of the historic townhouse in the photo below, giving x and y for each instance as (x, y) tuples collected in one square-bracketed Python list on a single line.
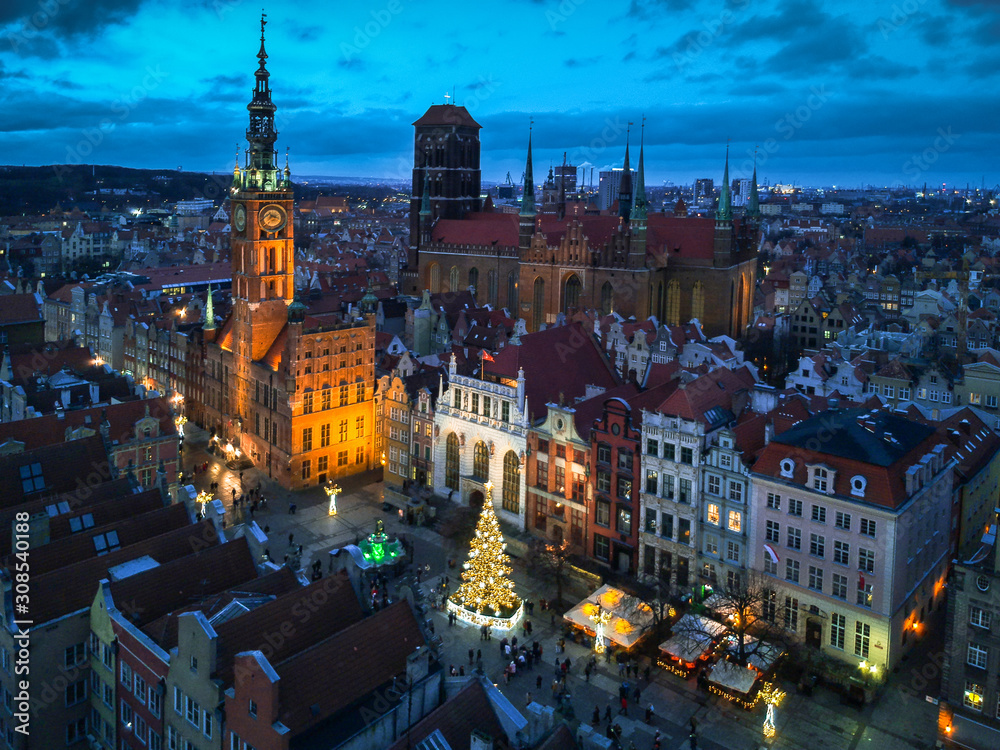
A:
[(724, 522), (681, 525), (558, 476), (850, 524)]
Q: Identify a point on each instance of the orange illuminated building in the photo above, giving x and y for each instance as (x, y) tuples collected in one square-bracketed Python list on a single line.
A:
[(289, 390)]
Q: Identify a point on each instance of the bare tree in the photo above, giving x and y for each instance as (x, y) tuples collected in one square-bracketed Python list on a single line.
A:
[(748, 609), (550, 561)]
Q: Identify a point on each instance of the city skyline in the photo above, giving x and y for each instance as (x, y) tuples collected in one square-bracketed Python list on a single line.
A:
[(825, 94)]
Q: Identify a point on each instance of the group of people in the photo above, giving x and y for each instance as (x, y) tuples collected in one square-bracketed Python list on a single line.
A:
[(519, 658)]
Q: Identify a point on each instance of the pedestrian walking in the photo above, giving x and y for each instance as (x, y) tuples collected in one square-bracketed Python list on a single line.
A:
[(596, 719), (528, 626), (471, 656), (645, 673), (291, 538), (624, 708), (636, 695), (538, 682), (607, 714), (527, 699), (479, 653), (586, 673), (649, 714)]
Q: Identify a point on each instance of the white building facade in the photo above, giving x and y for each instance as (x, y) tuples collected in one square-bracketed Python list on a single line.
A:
[(480, 436)]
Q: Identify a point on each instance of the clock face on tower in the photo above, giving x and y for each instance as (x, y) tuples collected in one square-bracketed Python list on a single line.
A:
[(272, 218), (240, 217)]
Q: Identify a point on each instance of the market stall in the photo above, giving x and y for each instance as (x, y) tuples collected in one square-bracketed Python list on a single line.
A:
[(741, 684), (693, 640), (611, 617)]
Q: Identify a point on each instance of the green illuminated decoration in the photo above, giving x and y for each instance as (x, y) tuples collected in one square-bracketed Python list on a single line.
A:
[(377, 548)]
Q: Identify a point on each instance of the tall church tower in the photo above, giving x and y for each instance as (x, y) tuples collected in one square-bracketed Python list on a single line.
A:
[(446, 154), (262, 249)]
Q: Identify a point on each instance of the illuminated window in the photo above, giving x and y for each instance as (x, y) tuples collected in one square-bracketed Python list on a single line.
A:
[(735, 521), (713, 513), (451, 462), (862, 637), (973, 695)]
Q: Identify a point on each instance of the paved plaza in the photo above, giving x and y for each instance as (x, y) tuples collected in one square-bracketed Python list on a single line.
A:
[(901, 719)]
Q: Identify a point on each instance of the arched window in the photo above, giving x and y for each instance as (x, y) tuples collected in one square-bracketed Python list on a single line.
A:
[(453, 279), (511, 482), (434, 278), (451, 462), (491, 287), (512, 301), (698, 302), (481, 462), (607, 299), (474, 281), (674, 303), (571, 295), (538, 304)]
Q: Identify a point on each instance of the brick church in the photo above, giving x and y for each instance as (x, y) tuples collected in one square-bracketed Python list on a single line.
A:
[(287, 387), (538, 265)]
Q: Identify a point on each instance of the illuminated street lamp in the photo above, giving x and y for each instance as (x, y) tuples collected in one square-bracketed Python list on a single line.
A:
[(203, 499), (332, 490), (772, 697)]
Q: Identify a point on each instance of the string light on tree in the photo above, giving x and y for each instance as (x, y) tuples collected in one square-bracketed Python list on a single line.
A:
[(486, 595)]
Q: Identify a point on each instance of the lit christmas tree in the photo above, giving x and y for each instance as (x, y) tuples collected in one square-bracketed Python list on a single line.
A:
[(486, 595)]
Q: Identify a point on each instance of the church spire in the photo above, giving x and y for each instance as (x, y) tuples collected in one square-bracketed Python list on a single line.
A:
[(725, 210), (209, 313), (528, 200), (625, 186), (262, 160), (639, 212), (753, 202)]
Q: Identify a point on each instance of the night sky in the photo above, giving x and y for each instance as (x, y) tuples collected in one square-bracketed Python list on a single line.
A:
[(843, 93)]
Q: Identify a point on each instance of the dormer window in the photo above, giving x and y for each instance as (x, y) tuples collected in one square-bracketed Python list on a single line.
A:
[(820, 479), (787, 468), (858, 484)]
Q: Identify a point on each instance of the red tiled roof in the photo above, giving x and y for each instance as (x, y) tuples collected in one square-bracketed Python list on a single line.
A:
[(73, 588), (80, 546), (687, 237), (372, 652), (148, 595), (490, 230), (163, 630), (853, 448), (51, 429), (324, 607), (559, 360), (20, 308), (468, 710)]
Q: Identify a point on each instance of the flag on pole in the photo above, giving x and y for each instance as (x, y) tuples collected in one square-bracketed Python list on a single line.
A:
[(487, 357), (772, 554)]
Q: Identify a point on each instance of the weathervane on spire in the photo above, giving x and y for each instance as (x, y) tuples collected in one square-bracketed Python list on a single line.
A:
[(263, 23)]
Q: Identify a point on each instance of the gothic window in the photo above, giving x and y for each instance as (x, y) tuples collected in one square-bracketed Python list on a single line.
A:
[(674, 303), (607, 299), (491, 287), (451, 462), (474, 280), (512, 301), (453, 283), (571, 297), (511, 481), (434, 278), (698, 301), (538, 304), (481, 462)]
